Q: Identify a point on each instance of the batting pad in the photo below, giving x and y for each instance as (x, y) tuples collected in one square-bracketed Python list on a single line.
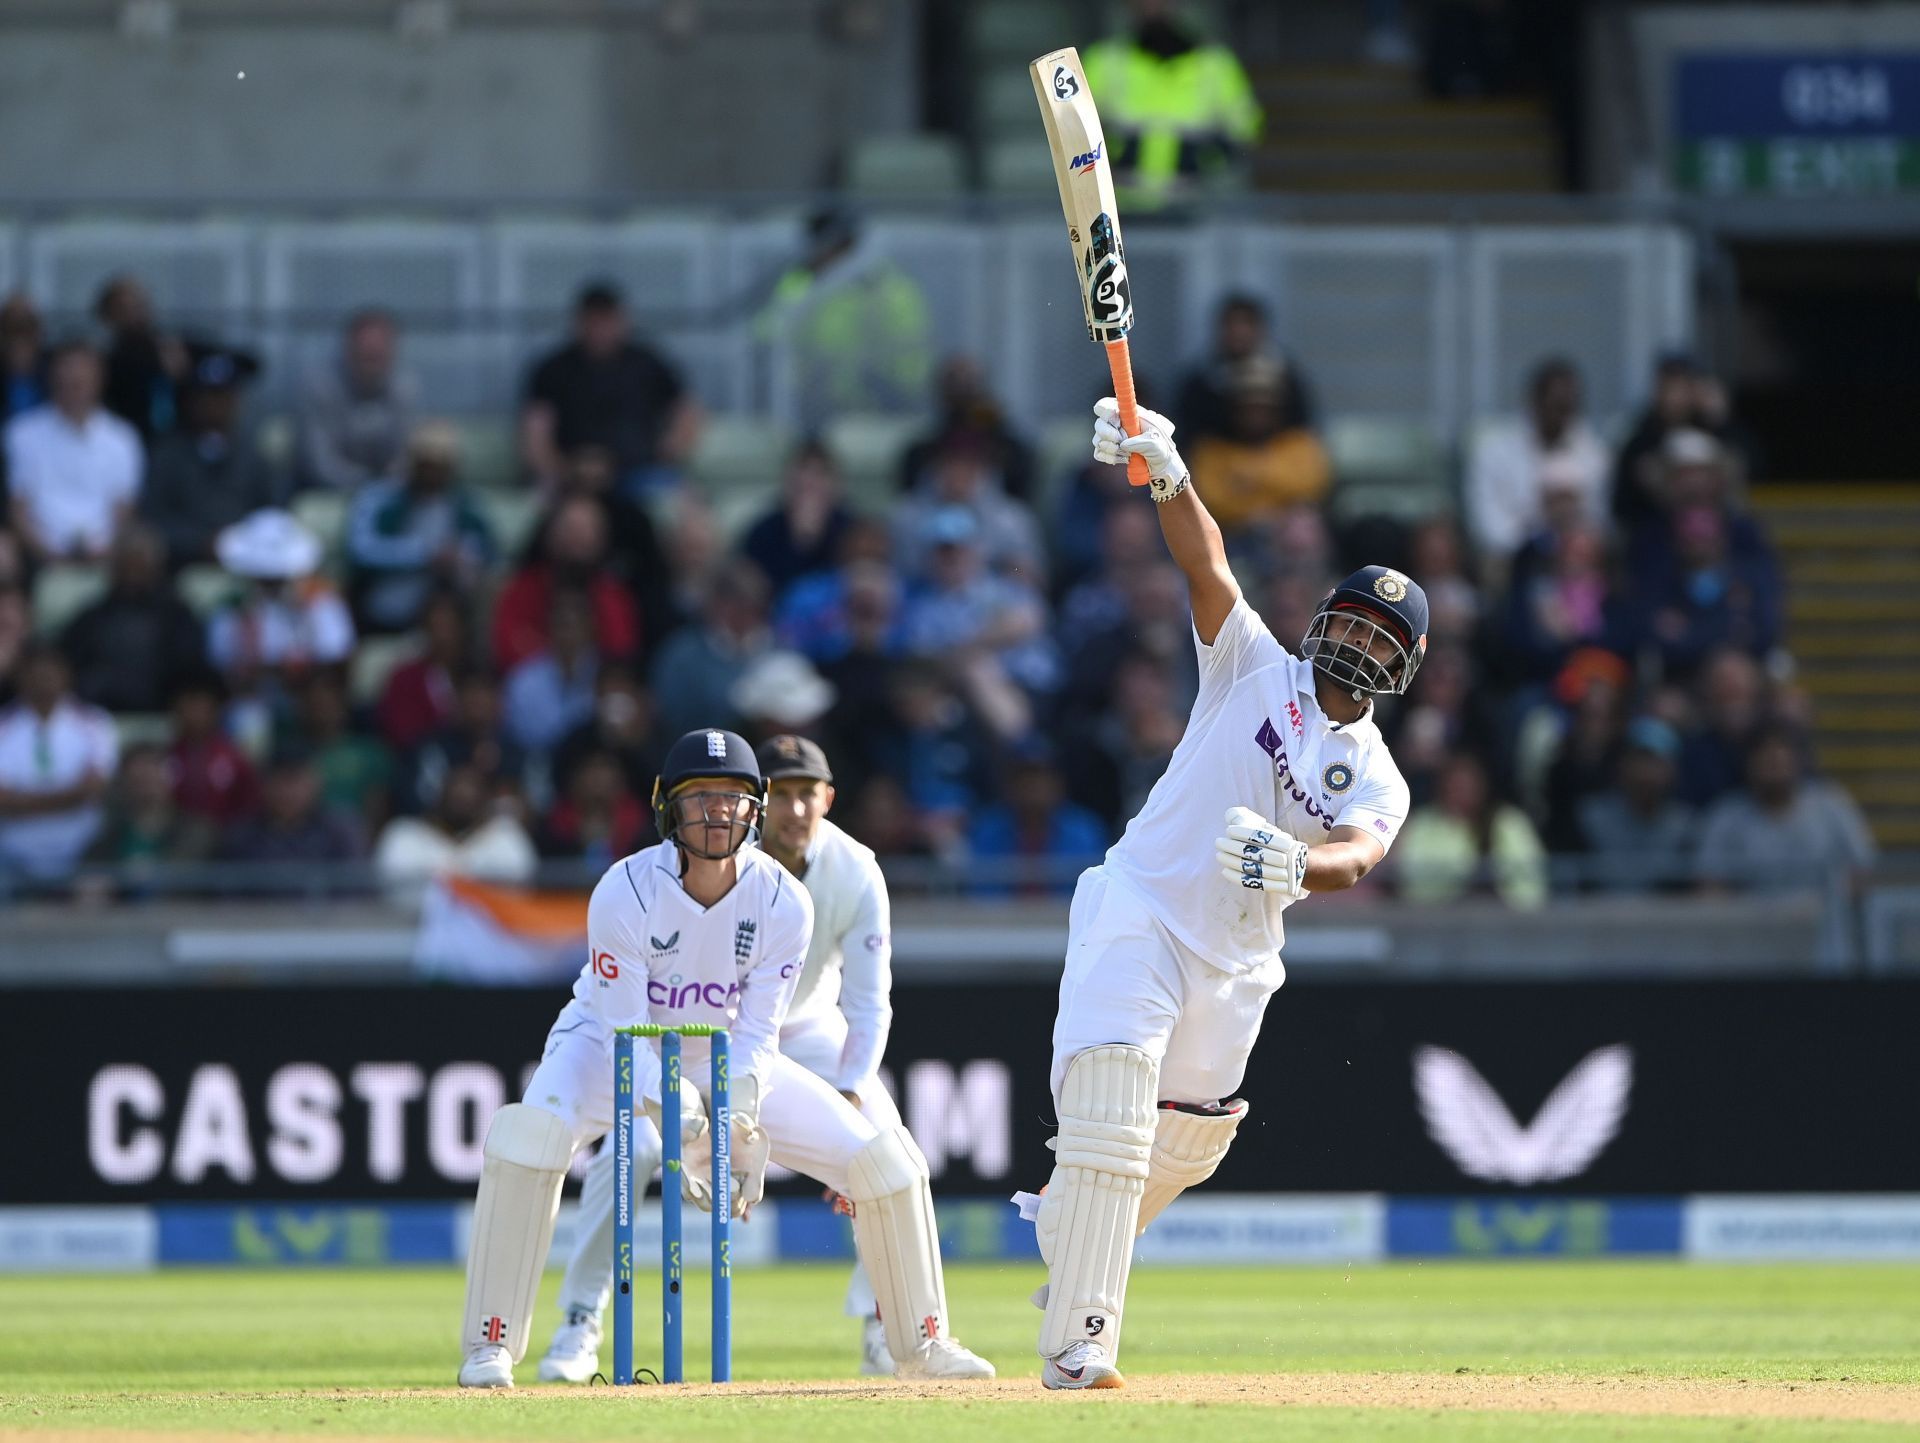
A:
[(1187, 1147), (1089, 1216), (894, 1231), (527, 1153)]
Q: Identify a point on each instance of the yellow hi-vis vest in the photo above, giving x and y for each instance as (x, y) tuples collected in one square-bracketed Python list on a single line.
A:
[(1168, 122)]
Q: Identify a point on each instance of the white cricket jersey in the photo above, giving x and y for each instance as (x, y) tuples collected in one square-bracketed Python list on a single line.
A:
[(850, 962), (656, 955), (1257, 738)]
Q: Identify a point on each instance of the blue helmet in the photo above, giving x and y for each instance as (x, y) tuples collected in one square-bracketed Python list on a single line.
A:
[(701, 754), (1342, 641)]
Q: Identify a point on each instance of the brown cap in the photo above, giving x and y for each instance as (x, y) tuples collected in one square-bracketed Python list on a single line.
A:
[(792, 756)]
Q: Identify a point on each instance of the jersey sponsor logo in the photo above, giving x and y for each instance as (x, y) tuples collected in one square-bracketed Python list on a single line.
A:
[(743, 940), (671, 944), (675, 993), (1268, 740), (604, 966), (1296, 721)]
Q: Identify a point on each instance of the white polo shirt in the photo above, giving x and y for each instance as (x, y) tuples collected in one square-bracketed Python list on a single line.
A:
[(657, 955), (49, 755), (1256, 738), (850, 960), (71, 478)]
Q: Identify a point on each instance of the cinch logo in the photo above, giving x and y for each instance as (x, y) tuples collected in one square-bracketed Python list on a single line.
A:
[(1269, 742), (1089, 160), (672, 993)]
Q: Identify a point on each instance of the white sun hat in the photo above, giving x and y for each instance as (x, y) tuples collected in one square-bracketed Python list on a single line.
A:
[(269, 545)]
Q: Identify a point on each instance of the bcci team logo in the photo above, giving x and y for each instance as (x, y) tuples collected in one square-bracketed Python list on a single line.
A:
[(1337, 778), (1390, 586)]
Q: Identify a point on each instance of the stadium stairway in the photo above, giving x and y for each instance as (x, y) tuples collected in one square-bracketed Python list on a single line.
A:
[(1341, 129), (1852, 559)]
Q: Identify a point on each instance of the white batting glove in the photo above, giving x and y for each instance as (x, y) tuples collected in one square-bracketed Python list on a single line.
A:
[(1166, 472), (1257, 855)]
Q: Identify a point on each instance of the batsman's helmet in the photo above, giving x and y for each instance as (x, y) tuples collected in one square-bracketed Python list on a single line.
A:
[(1375, 601), (704, 754)]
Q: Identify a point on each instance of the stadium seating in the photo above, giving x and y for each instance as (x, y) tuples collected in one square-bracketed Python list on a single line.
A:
[(883, 165), (64, 590), (869, 448)]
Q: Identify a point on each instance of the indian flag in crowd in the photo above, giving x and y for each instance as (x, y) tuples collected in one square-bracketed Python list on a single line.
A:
[(482, 932)]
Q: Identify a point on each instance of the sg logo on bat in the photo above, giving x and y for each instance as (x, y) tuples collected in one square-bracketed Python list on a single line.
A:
[(1064, 84)]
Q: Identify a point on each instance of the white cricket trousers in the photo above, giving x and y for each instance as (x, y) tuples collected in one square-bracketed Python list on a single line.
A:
[(1129, 981)]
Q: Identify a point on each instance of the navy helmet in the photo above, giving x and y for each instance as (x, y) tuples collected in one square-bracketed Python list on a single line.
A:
[(703, 754), (1374, 602)]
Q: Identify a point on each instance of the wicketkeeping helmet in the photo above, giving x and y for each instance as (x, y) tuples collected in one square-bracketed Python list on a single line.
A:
[(702, 754), (1375, 601)]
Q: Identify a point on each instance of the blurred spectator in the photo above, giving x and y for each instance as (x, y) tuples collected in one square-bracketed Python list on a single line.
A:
[(990, 627), (1639, 836), (143, 823), (694, 672), (939, 753), (1467, 842), (419, 695), (1686, 397), (1156, 625), (1708, 595), (860, 666), (57, 755), (693, 547), (1783, 832), (622, 727), (1438, 556), (1295, 541), (294, 827), (881, 816), (598, 820), (1388, 42), (1732, 705), (969, 413), (1179, 112), (16, 631), (1560, 601), (474, 736), (802, 534), (1240, 335), (355, 415), (855, 325), (778, 693), (289, 620), (23, 359), (204, 476), (960, 477), (634, 551), (73, 468), (1446, 712), (356, 771), (1517, 464), (1693, 469), (144, 364), (131, 646), (1130, 744), (814, 616), (603, 388), (1472, 49), (1260, 461), (212, 778), (1287, 602), (1036, 840), (1129, 540), (570, 551), (463, 835), (1591, 693), (407, 538), (1093, 493), (552, 691)]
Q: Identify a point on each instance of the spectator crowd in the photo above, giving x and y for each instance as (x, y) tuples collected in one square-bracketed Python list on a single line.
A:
[(997, 661)]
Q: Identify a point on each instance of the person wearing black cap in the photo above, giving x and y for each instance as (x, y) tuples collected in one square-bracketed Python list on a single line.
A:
[(605, 389), (703, 927), (1173, 942), (204, 477)]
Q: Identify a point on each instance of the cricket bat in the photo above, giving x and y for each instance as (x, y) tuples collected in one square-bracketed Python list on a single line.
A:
[(1093, 222)]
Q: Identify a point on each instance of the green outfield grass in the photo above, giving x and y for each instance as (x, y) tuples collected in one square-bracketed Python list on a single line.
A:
[(292, 1352)]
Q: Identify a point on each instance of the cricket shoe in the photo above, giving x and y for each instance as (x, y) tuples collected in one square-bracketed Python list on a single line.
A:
[(574, 1354), (1081, 1365), (944, 1358), (875, 1360), (487, 1366)]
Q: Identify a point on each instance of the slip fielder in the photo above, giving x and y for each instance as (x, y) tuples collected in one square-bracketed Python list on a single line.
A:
[(1280, 787)]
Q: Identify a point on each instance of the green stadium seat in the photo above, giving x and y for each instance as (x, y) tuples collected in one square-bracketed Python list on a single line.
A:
[(1016, 31), (511, 515), (1065, 445), (325, 514), (1387, 466), (868, 449), (375, 659), (739, 453), (142, 728), (488, 452), (1004, 105), (62, 591), (206, 588), (274, 440), (1020, 165), (924, 164)]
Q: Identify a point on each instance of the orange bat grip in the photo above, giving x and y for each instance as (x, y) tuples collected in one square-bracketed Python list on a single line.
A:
[(1120, 363)]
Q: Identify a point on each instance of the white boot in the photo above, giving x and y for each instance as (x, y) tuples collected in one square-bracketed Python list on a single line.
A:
[(944, 1358), (574, 1354), (875, 1360), (487, 1366), (1081, 1365)]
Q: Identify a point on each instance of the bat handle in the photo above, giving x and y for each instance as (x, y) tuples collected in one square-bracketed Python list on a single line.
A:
[(1120, 363)]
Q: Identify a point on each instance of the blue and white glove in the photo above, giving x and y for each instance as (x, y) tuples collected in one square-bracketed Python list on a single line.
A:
[(1166, 472), (1257, 855)]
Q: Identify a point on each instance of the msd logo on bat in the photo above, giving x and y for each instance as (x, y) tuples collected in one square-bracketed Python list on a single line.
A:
[(1083, 163)]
